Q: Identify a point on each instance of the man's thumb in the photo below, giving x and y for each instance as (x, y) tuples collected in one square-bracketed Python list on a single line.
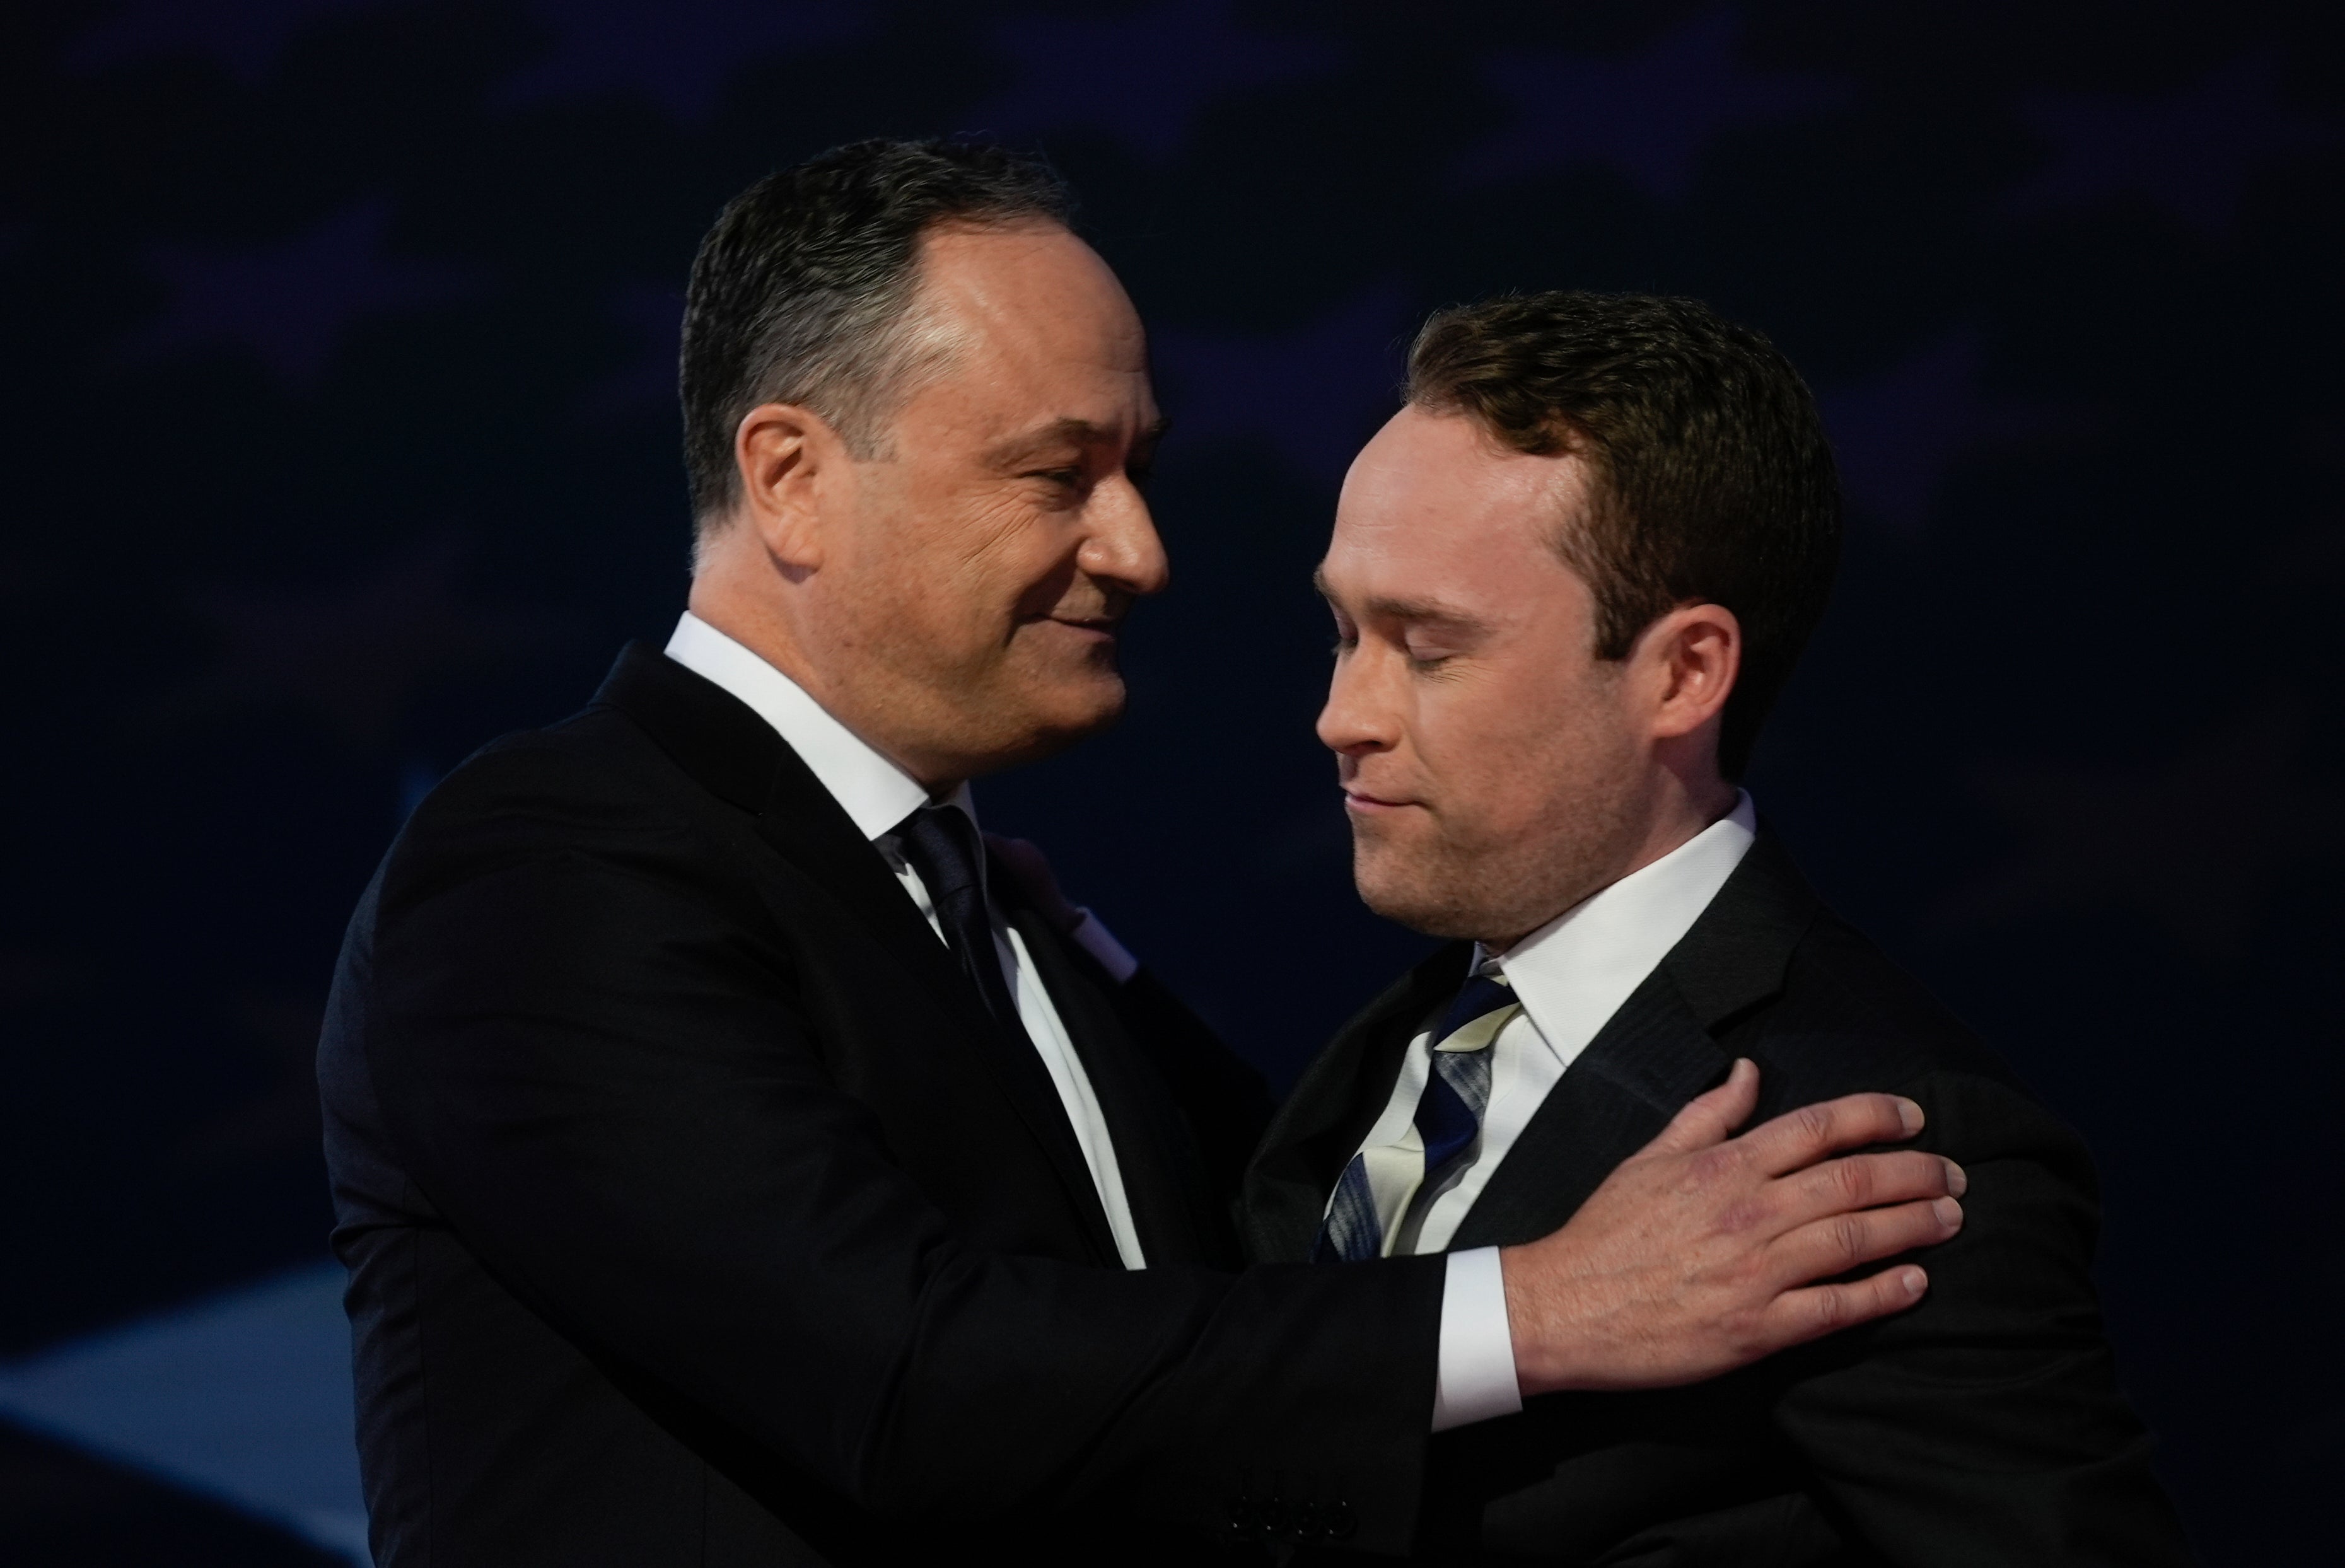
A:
[(1710, 1119)]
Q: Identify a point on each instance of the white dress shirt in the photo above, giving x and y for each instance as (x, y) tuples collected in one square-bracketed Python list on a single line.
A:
[(878, 795), (1570, 976)]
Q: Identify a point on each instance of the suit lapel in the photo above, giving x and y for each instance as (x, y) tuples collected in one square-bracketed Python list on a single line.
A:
[(1160, 1172), (1650, 1059), (1736, 955), (1659, 1051), (1337, 1100), (721, 741), (1655, 1054)]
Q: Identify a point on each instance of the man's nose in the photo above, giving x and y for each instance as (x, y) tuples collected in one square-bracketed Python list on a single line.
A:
[(1359, 716), (1122, 546)]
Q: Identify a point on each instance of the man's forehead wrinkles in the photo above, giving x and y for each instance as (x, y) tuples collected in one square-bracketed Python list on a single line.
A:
[(1067, 431), (1055, 432)]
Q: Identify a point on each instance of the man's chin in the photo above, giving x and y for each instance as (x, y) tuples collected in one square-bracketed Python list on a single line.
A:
[(1096, 705), (1407, 895), (1047, 730)]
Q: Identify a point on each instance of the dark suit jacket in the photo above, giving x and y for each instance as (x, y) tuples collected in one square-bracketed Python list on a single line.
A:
[(1984, 1426), (696, 1213)]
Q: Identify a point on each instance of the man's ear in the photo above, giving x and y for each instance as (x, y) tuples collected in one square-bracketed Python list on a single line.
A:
[(791, 462), (1692, 655)]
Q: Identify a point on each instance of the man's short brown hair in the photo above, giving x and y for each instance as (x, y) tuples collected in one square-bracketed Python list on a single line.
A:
[(1714, 483)]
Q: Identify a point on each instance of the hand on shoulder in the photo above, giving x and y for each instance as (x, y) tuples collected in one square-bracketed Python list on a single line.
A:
[(1700, 1254)]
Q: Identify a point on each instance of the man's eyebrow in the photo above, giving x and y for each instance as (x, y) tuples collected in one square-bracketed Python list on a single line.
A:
[(1386, 608), (1069, 431)]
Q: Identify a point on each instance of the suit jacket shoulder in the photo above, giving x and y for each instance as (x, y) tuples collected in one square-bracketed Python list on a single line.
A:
[(1984, 1426), (592, 783)]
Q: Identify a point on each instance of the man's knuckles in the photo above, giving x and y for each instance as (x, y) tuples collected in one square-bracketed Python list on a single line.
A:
[(1839, 1242), (1744, 1215), (1831, 1308), (1865, 1119), (1804, 1136), (1853, 1183), (1725, 1165), (1848, 1238), (1796, 1140), (1796, 1317), (1866, 1180), (1808, 1132), (1924, 1222)]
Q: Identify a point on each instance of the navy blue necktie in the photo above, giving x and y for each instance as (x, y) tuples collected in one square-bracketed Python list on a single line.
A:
[(1448, 1117), (943, 846)]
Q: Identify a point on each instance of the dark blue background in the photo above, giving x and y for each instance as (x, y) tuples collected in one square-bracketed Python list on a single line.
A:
[(339, 436)]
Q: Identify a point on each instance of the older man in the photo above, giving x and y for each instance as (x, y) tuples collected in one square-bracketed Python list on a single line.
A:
[(1568, 578), (731, 1171)]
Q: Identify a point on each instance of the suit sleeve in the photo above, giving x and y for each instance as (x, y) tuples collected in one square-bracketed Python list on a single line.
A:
[(1985, 1425), (602, 1083)]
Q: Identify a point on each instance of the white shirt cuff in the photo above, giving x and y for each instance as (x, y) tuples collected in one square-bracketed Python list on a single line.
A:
[(1476, 1379), (1097, 940)]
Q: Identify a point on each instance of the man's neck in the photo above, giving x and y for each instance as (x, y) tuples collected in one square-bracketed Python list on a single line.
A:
[(769, 636), (1679, 809), (1684, 809)]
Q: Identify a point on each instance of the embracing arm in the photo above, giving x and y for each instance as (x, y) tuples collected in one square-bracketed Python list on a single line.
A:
[(603, 1084), (1702, 1252)]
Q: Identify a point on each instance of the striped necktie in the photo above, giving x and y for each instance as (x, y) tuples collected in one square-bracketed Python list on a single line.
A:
[(1448, 1117)]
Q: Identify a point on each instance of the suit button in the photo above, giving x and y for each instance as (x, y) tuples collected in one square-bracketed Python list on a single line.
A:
[(1338, 1523), (1304, 1524), (1246, 1518)]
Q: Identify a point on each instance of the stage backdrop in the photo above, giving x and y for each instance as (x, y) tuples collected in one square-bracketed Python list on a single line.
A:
[(339, 436)]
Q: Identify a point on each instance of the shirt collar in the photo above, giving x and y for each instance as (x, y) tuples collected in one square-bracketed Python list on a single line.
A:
[(876, 794), (1572, 973)]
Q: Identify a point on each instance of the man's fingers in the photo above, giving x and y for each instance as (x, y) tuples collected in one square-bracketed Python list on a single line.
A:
[(1822, 1248), (1796, 1317), (1800, 1137), (1707, 1118), (1865, 1181)]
